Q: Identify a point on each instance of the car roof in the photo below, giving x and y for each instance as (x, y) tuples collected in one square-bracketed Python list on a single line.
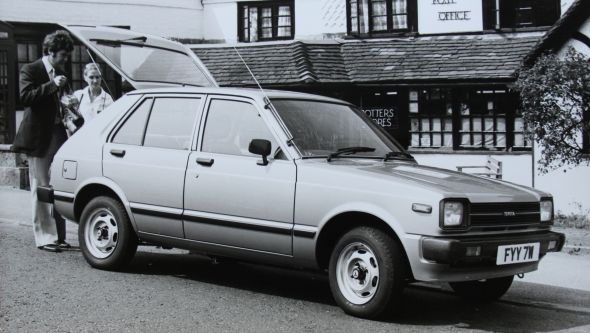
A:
[(244, 92)]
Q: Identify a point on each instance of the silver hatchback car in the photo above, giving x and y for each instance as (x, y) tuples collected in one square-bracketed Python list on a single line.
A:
[(282, 178)]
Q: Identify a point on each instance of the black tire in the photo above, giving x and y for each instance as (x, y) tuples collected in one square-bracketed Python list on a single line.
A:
[(483, 290), (117, 243), (387, 261)]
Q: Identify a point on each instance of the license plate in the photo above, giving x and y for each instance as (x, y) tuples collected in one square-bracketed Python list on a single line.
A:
[(517, 253)]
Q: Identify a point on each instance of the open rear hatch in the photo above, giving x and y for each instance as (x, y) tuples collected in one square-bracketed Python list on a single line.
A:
[(144, 61)]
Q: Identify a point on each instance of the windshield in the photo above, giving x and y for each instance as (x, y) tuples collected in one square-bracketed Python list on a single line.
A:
[(320, 129), (145, 63)]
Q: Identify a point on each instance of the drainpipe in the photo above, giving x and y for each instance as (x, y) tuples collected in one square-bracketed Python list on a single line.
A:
[(533, 161), (497, 14)]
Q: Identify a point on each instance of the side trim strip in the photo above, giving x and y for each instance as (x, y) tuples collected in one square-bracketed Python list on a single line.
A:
[(63, 196), (157, 239), (170, 213), (246, 224), (304, 231)]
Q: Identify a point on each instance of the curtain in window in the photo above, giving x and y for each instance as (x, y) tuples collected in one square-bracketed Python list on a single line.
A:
[(379, 15), (284, 26), (363, 16), (266, 26), (399, 10), (354, 22), (253, 24)]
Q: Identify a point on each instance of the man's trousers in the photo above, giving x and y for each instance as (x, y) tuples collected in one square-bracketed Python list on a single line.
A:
[(48, 225)]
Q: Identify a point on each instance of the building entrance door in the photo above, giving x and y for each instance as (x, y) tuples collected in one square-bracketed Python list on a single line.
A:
[(7, 84)]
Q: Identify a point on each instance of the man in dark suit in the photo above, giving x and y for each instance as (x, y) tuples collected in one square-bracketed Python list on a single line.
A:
[(41, 131)]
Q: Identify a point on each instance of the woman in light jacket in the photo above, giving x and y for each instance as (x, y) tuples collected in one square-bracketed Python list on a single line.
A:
[(93, 99)]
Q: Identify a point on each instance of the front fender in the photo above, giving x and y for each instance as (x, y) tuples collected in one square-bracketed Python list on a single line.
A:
[(110, 184), (365, 208)]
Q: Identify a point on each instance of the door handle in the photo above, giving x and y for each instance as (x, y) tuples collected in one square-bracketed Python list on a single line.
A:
[(205, 161), (118, 152)]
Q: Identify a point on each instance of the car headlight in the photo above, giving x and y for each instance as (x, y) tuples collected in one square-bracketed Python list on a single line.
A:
[(453, 214), (546, 210)]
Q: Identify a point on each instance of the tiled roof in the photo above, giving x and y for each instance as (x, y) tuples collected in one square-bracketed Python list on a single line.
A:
[(488, 57), (567, 25), (275, 64)]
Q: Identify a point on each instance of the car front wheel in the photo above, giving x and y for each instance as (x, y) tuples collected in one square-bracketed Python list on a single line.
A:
[(106, 237), (367, 272), (483, 290)]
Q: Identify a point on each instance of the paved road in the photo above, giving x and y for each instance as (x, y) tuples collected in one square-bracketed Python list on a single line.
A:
[(173, 291), (47, 292)]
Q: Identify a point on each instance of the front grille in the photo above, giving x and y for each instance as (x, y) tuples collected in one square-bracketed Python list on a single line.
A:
[(499, 216)]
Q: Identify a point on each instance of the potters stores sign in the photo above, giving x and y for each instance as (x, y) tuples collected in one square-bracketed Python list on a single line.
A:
[(444, 16), (384, 116)]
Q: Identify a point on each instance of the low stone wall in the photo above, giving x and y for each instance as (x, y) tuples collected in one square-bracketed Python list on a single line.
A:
[(14, 170)]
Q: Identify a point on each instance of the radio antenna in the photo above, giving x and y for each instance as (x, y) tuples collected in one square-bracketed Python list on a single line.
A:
[(268, 103), (250, 71)]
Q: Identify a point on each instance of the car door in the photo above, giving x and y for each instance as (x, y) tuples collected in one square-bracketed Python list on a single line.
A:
[(147, 157), (229, 198)]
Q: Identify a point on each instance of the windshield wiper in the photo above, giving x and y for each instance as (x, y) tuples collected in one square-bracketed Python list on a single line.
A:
[(397, 155), (349, 150)]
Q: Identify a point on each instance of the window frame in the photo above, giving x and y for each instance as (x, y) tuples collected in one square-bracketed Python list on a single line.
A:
[(494, 113), (259, 5), (196, 119), (411, 19), (198, 142), (423, 95), (123, 120), (127, 116), (508, 10), (31, 57), (458, 96)]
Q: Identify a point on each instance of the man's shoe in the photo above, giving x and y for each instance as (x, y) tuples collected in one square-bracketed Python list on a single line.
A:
[(63, 245), (50, 248)]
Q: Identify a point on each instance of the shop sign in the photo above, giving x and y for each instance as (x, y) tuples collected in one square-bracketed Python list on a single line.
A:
[(384, 116), (448, 16)]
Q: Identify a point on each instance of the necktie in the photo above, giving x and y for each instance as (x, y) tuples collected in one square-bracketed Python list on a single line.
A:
[(58, 115)]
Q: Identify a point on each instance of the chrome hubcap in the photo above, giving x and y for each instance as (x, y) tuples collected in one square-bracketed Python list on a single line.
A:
[(357, 273), (102, 233)]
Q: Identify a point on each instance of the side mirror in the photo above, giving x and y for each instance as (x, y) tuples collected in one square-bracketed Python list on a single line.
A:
[(260, 147)]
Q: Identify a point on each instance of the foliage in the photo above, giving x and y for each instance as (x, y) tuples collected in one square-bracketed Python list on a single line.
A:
[(555, 103), (579, 219)]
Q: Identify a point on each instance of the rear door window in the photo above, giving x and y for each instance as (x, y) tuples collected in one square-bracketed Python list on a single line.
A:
[(162, 122), (171, 123), (131, 133)]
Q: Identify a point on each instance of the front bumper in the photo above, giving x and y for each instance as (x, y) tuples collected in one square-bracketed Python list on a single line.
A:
[(453, 251)]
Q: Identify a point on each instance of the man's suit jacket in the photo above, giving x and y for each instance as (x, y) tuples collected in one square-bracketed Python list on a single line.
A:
[(40, 96)]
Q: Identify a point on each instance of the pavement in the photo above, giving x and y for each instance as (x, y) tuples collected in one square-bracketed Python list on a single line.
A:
[(561, 269)]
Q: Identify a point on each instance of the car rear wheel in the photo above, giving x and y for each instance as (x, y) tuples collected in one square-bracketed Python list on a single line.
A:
[(106, 237), (483, 290), (367, 272)]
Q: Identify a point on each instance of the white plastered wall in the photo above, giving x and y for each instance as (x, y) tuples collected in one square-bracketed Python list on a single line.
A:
[(171, 18), (220, 20)]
